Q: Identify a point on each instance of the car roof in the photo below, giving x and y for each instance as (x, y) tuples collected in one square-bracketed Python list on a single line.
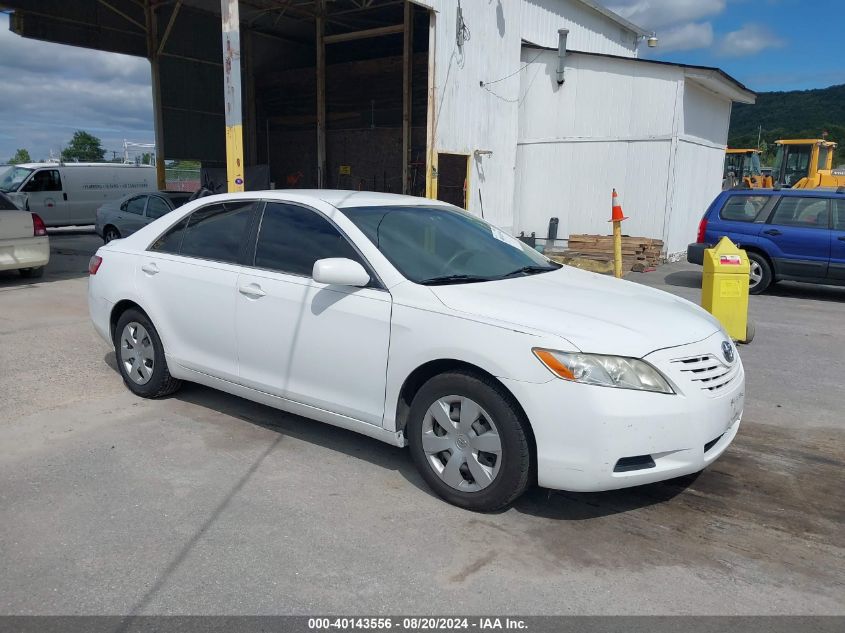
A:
[(339, 198), (804, 193)]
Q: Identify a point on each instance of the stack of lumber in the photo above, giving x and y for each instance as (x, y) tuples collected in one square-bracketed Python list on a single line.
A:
[(638, 253)]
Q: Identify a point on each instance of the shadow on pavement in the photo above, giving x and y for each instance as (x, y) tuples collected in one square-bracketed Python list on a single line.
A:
[(551, 504), (684, 279), (580, 506), (814, 292)]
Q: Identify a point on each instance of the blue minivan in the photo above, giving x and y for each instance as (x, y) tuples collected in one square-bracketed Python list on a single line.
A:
[(789, 234)]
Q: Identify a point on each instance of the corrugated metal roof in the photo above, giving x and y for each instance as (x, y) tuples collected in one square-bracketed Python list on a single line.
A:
[(738, 85), (595, 6)]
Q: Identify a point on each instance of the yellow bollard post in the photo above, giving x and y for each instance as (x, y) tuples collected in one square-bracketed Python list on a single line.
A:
[(724, 288), (617, 249), (617, 217)]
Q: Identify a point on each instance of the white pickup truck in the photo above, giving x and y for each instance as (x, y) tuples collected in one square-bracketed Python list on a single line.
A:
[(24, 244)]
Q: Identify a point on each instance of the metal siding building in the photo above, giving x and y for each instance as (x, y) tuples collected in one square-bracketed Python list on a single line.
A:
[(654, 131), (385, 95)]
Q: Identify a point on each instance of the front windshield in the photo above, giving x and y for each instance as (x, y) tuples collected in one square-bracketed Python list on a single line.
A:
[(755, 165), (12, 178), (432, 245)]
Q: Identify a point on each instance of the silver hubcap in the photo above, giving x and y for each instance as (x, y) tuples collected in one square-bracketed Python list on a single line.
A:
[(137, 353), (461, 443), (755, 274)]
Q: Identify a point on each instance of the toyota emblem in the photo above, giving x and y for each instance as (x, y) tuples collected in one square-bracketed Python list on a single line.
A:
[(728, 351)]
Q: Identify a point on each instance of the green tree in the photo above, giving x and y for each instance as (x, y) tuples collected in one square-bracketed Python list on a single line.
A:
[(21, 156), (83, 147)]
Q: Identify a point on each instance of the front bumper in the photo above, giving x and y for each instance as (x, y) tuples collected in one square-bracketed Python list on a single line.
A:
[(583, 431), (25, 252), (695, 253)]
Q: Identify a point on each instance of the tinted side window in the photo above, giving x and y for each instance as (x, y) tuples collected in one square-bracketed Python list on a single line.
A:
[(742, 208), (135, 205), (292, 238), (156, 207), (44, 180), (217, 232), (171, 241), (839, 214), (804, 212)]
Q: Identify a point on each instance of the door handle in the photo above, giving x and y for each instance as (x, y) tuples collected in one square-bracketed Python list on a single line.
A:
[(150, 269), (252, 290), (772, 232), (64, 195), (841, 238)]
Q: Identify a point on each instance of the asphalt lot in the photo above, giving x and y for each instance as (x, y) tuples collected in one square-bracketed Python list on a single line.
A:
[(204, 503)]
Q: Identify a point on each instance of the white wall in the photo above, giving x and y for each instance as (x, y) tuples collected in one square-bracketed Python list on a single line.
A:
[(470, 117), (639, 127), (589, 30)]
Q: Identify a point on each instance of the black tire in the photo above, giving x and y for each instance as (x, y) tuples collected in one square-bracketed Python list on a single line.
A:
[(110, 233), (161, 383), (765, 273), (32, 273), (513, 475)]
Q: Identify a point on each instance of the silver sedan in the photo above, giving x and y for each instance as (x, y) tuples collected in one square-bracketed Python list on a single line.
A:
[(120, 218)]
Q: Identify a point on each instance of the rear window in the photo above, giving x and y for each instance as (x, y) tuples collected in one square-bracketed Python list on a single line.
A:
[(743, 208)]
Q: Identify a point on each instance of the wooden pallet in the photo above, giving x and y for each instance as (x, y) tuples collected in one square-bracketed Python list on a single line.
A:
[(640, 252)]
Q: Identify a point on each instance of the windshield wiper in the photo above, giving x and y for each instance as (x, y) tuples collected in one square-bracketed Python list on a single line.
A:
[(452, 279), (528, 270)]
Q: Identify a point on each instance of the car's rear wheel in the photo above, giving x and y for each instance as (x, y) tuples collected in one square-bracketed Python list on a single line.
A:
[(32, 273), (760, 275), (469, 441), (110, 233), (140, 356)]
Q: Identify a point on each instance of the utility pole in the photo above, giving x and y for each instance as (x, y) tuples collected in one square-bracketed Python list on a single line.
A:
[(232, 94)]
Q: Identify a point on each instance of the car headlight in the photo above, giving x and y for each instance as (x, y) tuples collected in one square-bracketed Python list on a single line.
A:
[(606, 371)]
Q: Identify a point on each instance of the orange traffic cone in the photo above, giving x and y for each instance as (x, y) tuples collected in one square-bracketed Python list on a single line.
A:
[(616, 213)]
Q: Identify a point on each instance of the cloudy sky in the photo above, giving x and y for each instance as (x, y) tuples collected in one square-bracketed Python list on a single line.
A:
[(51, 90)]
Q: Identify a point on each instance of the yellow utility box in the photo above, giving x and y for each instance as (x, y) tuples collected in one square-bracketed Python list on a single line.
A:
[(724, 289)]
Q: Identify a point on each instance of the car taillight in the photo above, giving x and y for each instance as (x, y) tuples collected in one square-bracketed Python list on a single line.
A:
[(94, 264), (38, 228), (702, 229)]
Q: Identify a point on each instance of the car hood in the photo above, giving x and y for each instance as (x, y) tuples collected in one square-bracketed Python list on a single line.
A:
[(597, 314)]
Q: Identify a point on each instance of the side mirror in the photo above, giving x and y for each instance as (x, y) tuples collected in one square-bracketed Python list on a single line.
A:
[(339, 271)]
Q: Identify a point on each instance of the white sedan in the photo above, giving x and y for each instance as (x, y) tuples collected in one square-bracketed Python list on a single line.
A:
[(418, 324), (24, 245)]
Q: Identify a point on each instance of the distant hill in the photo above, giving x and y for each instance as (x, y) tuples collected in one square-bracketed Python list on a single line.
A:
[(795, 114)]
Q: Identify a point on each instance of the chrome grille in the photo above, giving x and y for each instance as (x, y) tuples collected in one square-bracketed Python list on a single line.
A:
[(707, 371)]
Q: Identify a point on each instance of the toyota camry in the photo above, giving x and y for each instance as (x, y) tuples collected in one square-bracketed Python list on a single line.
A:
[(418, 324)]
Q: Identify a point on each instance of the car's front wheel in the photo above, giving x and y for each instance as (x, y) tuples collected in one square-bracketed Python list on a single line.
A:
[(760, 274), (140, 356), (469, 441)]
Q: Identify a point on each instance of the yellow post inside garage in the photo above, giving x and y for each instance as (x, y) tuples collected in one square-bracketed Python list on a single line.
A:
[(724, 288)]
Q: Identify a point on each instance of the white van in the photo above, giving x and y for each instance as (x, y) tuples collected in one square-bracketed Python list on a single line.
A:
[(70, 193)]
